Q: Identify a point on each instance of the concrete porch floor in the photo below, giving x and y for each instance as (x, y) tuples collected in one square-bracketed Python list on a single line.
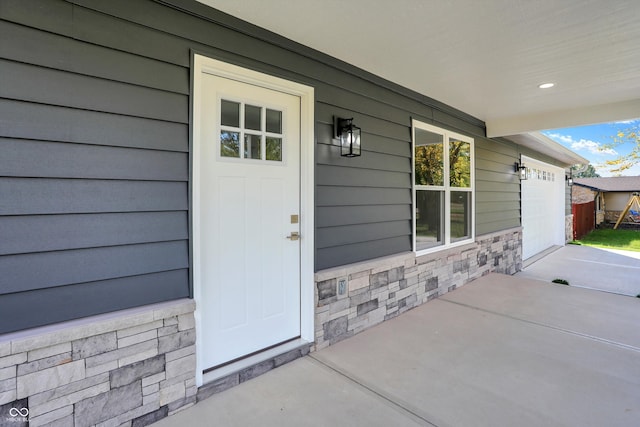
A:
[(608, 270), (500, 351)]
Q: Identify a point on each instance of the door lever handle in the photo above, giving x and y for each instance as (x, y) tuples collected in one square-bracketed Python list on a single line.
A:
[(294, 235)]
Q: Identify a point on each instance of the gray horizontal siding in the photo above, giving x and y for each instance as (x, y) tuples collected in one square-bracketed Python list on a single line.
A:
[(53, 123), (52, 16), (505, 217), (34, 196), (41, 233), (43, 49), (350, 215), (330, 155), (94, 172), (84, 299), (497, 186), (59, 268), (507, 195), (348, 196), (28, 158), (493, 206), (344, 235), (361, 251), (48, 86), (335, 176), (363, 203)]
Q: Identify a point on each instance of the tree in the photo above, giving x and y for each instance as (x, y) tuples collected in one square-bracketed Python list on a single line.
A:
[(429, 164), (625, 161), (584, 171), (460, 163)]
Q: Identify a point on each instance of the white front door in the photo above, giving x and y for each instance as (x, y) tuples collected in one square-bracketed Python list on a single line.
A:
[(248, 190)]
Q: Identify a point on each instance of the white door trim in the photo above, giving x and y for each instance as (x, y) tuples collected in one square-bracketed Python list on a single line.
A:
[(202, 64)]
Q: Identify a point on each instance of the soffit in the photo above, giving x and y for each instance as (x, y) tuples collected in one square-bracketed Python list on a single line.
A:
[(485, 58)]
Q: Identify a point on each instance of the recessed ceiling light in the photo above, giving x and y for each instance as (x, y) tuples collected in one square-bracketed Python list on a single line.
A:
[(546, 85)]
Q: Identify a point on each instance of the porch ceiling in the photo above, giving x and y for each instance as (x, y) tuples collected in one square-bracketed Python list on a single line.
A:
[(485, 58)]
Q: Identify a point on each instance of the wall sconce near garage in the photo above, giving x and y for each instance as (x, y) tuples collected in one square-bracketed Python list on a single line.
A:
[(521, 169), (349, 136), (569, 179)]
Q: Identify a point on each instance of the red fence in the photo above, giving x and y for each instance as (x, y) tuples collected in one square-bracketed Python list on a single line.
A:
[(584, 219)]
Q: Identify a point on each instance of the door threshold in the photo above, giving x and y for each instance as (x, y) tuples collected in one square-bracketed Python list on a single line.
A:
[(226, 369)]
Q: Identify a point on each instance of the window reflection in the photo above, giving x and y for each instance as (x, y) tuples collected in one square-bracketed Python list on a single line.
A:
[(229, 144), (429, 220), (459, 163), (460, 215)]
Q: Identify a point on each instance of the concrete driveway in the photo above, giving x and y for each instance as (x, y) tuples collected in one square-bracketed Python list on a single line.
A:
[(500, 351), (602, 269)]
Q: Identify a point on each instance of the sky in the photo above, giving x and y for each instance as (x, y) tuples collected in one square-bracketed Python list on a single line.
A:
[(589, 142)]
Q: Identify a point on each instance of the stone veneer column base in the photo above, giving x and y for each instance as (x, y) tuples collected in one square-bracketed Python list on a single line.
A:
[(127, 368), (568, 228), (381, 289)]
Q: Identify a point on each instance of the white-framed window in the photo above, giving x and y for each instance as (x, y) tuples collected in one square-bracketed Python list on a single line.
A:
[(443, 188)]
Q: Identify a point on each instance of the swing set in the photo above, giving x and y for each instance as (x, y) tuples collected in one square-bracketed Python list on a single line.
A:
[(631, 214)]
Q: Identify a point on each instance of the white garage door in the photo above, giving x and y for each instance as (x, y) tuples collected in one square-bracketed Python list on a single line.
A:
[(542, 207)]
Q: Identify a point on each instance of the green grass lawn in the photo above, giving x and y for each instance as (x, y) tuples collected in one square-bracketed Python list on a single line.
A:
[(627, 240)]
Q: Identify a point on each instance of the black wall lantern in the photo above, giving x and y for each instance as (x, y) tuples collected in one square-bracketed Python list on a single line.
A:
[(569, 179), (522, 169), (349, 136)]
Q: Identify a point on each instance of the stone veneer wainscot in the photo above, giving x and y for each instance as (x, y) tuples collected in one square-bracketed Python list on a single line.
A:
[(131, 367), (384, 288)]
